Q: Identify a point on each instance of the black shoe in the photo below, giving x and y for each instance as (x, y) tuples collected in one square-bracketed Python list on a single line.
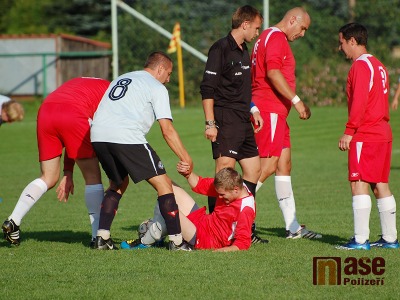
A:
[(102, 244), (92, 243), (255, 239), (185, 246), (11, 232)]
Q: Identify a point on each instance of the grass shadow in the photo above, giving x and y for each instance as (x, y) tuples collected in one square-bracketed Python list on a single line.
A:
[(281, 232)]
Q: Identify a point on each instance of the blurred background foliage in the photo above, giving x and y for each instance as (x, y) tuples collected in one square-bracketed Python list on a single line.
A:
[(321, 69)]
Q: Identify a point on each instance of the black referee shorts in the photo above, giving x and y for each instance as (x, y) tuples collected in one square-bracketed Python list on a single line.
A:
[(235, 135), (140, 161)]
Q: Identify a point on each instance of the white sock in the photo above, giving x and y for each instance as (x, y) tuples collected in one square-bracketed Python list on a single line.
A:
[(105, 234), (94, 195), (176, 238), (361, 210), (387, 215), (29, 196), (259, 184), (284, 193)]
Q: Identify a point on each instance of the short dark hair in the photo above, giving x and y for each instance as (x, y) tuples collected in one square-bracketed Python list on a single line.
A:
[(356, 31), (228, 179), (157, 58), (245, 13)]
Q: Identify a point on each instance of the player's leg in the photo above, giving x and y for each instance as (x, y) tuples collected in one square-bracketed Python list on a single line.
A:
[(284, 192), (154, 229), (94, 190), (117, 175), (169, 210), (50, 170), (386, 202), (387, 214)]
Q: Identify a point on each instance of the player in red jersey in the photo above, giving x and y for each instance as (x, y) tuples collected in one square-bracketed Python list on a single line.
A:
[(64, 122), (368, 139), (227, 228), (273, 91)]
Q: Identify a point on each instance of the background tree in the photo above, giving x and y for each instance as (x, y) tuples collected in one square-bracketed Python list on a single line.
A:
[(321, 70)]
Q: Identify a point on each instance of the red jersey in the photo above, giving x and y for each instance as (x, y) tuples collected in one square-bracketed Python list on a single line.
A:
[(368, 101), (84, 93), (229, 224), (271, 52)]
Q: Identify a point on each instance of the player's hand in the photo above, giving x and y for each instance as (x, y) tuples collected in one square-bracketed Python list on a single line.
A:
[(395, 104), (303, 110), (65, 187), (184, 168), (258, 121), (211, 133), (344, 142)]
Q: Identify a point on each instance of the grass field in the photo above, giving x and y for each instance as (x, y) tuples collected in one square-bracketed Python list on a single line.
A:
[(54, 261)]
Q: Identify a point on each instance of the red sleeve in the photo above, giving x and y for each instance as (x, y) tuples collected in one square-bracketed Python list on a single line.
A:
[(357, 94), (205, 186), (276, 51), (243, 228), (68, 163)]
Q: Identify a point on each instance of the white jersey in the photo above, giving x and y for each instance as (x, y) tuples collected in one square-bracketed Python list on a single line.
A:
[(3, 99), (129, 108)]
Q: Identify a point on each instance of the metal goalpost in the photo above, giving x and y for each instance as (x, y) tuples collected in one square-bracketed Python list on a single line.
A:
[(114, 32)]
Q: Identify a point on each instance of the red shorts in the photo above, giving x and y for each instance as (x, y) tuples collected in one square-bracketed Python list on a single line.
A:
[(61, 126), (274, 136), (370, 162), (203, 237)]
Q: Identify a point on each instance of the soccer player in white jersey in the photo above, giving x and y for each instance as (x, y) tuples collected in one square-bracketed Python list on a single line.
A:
[(368, 139), (126, 113)]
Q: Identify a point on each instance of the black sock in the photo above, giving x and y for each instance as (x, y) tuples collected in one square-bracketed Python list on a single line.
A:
[(109, 208), (251, 186), (169, 211), (211, 204)]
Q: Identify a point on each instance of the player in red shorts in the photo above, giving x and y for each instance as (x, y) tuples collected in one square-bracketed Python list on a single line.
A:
[(227, 228), (64, 122), (368, 138), (273, 91)]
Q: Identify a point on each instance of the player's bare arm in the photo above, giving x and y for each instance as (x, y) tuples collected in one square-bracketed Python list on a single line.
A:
[(344, 142), (174, 141), (258, 120), (65, 187), (211, 131), (280, 84), (227, 249)]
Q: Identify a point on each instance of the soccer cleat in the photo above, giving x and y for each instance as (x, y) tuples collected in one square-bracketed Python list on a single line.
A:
[(303, 233), (382, 243), (255, 239), (185, 246), (92, 242), (134, 244), (353, 245), (11, 232), (102, 244)]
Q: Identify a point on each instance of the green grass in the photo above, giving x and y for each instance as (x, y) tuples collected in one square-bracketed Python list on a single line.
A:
[(54, 261)]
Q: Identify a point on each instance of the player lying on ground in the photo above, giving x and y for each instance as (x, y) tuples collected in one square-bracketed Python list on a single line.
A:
[(227, 228)]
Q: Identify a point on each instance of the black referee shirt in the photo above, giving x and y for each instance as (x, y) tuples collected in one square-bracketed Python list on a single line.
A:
[(227, 77)]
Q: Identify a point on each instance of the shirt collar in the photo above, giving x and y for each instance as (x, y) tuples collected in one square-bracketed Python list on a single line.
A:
[(234, 45)]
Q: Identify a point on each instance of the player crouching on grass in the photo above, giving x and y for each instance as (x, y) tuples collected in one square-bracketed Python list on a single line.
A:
[(227, 228)]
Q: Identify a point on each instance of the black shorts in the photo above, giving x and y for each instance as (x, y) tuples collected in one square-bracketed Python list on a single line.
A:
[(140, 161), (235, 135)]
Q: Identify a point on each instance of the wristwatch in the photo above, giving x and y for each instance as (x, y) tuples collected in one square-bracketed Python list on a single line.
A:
[(210, 122)]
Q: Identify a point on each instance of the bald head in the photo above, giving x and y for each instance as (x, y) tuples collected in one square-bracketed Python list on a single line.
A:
[(295, 23)]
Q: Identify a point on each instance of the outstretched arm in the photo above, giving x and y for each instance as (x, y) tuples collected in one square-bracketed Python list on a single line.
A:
[(174, 141)]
